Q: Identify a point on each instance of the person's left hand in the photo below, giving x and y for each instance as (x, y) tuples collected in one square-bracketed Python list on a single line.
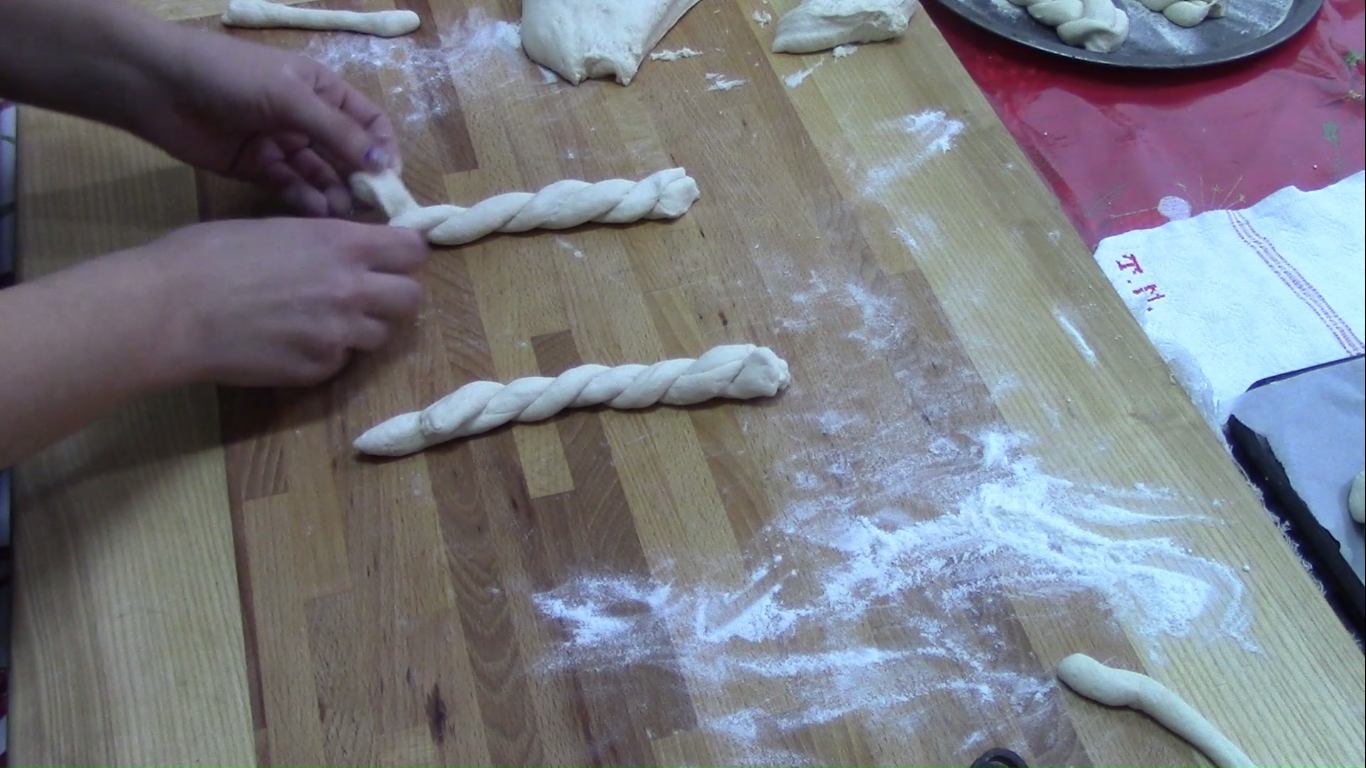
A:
[(269, 117)]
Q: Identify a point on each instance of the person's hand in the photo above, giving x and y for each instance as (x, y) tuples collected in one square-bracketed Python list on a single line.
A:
[(269, 117), (278, 301)]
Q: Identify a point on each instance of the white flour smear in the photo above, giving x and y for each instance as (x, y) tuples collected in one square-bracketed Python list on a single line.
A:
[(930, 133), (720, 82), (892, 572), (479, 46), (797, 78), (675, 55), (1078, 340)]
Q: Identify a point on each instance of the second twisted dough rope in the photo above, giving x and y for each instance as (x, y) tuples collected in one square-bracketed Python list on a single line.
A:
[(1186, 13), (737, 371), (665, 194), (1096, 25)]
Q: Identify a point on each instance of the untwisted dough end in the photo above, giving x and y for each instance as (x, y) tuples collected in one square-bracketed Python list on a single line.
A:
[(398, 436)]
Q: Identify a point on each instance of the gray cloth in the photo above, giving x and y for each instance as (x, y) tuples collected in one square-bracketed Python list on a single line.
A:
[(1314, 425)]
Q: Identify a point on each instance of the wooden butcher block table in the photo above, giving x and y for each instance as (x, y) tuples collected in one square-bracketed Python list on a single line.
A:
[(981, 465)]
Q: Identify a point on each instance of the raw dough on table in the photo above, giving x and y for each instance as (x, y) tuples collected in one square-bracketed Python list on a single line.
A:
[(1186, 13), (262, 15), (1122, 688), (1355, 502), (1096, 25), (816, 25), (739, 371), (665, 194), (580, 39)]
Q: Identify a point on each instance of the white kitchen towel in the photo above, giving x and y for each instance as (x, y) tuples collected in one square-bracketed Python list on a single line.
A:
[(1231, 297)]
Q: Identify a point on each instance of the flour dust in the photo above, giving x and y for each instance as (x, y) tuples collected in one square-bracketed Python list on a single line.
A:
[(927, 134), (478, 46), (891, 576), (896, 554)]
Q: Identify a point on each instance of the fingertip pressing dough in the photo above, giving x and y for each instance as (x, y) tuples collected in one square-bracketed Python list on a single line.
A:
[(817, 25), (665, 194), (1122, 688), (1355, 502), (1096, 25), (581, 39), (261, 14), (736, 371)]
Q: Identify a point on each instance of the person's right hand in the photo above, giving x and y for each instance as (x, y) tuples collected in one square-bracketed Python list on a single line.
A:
[(277, 301)]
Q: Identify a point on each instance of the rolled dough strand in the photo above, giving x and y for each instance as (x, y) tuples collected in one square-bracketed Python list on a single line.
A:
[(1096, 25), (260, 14), (1186, 13), (1122, 688), (735, 371), (665, 194)]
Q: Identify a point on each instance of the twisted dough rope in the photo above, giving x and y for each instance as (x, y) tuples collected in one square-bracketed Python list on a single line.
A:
[(665, 194), (737, 371), (260, 14), (1122, 688), (1096, 25), (1186, 13)]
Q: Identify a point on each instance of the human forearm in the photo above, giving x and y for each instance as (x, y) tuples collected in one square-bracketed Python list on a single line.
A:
[(101, 59), (72, 347)]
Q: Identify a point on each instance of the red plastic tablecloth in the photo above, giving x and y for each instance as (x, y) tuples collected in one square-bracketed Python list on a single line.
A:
[(1113, 144)]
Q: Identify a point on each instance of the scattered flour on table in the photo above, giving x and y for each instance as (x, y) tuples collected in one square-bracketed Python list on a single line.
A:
[(884, 324), (908, 559), (844, 51), (931, 132), (478, 47), (762, 18), (893, 557), (797, 78), (675, 55), (1077, 339), (907, 239), (720, 82), (917, 231)]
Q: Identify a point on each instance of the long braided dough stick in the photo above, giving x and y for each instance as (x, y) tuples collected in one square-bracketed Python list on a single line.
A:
[(665, 194), (1096, 25), (1122, 688), (737, 371), (261, 14)]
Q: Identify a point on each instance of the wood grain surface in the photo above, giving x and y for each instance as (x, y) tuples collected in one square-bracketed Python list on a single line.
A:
[(981, 466)]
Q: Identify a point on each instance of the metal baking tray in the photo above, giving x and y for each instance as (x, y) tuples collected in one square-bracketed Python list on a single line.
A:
[(1248, 28)]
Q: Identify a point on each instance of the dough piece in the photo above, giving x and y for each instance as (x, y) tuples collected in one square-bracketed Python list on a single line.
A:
[(579, 39), (1186, 13), (738, 371), (816, 25), (1355, 500), (665, 194), (260, 14), (1122, 688), (1096, 25)]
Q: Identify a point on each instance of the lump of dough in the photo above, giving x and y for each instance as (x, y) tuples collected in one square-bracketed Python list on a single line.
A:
[(816, 25), (581, 39), (1354, 498)]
